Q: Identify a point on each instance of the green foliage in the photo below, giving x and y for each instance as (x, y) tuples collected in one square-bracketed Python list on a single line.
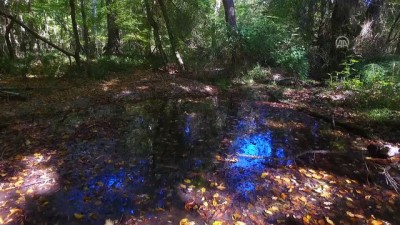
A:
[(257, 73), (269, 42), (373, 73), (114, 64)]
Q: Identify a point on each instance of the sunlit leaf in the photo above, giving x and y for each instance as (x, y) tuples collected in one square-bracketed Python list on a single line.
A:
[(184, 221), (306, 219), (217, 222), (264, 175), (239, 223), (328, 220), (187, 181), (203, 190)]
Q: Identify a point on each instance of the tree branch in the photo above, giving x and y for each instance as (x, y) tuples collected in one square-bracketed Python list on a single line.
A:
[(36, 35)]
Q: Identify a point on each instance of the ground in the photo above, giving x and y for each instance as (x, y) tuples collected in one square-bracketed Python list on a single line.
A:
[(159, 149)]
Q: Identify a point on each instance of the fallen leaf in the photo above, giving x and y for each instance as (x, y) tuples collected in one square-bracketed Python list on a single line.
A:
[(328, 220), (217, 223), (239, 223), (264, 175), (306, 219), (79, 216), (184, 221), (187, 181)]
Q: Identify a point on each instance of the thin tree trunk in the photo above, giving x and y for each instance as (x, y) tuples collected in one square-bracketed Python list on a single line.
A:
[(389, 37), (85, 30), (156, 31), (171, 35), (398, 47), (230, 13), (7, 37), (76, 34), (113, 39)]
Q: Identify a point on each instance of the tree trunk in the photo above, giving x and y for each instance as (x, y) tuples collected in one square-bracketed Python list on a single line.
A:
[(389, 37), (398, 47), (156, 31), (86, 48), (113, 39), (76, 34), (7, 37), (341, 26), (230, 13), (171, 35)]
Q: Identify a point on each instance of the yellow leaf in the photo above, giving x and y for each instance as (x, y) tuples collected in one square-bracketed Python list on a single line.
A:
[(306, 219), (187, 181), (221, 187), (29, 191), (79, 216), (239, 223), (376, 222), (350, 214), (328, 220), (182, 186), (217, 223), (203, 190), (236, 216), (1, 221), (184, 221), (348, 181), (264, 175)]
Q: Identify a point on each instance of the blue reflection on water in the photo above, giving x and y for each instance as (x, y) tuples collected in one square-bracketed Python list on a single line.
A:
[(253, 152), (256, 145)]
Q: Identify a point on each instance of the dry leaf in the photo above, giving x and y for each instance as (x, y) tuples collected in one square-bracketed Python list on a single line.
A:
[(328, 220), (79, 216)]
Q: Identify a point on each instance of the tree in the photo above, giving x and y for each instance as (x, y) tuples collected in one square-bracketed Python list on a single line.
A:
[(171, 35), (230, 13), (156, 30), (113, 33), (75, 31)]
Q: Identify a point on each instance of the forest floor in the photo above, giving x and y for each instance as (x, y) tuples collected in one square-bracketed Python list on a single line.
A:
[(159, 149)]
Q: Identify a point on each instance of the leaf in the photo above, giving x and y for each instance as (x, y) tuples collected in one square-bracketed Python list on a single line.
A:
[(306, 219), (217, 222), (79, 216), (264, 175), (184, 221), (239, 223), (328, 220), (203, 190), (187, 181), (376, 222)]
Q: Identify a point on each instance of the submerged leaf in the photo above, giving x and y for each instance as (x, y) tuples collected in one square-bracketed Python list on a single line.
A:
[(79, 216)]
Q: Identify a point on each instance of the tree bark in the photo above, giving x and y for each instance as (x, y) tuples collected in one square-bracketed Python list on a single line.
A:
[(171, 35), (156, 30), (76, 34), (113, 39), (85, 31), (230, 13), (340, 26), (389, 37), (7, 37)]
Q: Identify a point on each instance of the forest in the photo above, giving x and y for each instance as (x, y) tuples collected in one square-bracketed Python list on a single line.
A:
[(216, 112)]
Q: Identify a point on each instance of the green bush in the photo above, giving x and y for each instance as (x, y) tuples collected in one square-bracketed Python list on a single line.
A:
[(373, 73), (270, 43)]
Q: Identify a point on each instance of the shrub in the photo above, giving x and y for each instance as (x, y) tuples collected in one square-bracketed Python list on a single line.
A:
[(271, 43)]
